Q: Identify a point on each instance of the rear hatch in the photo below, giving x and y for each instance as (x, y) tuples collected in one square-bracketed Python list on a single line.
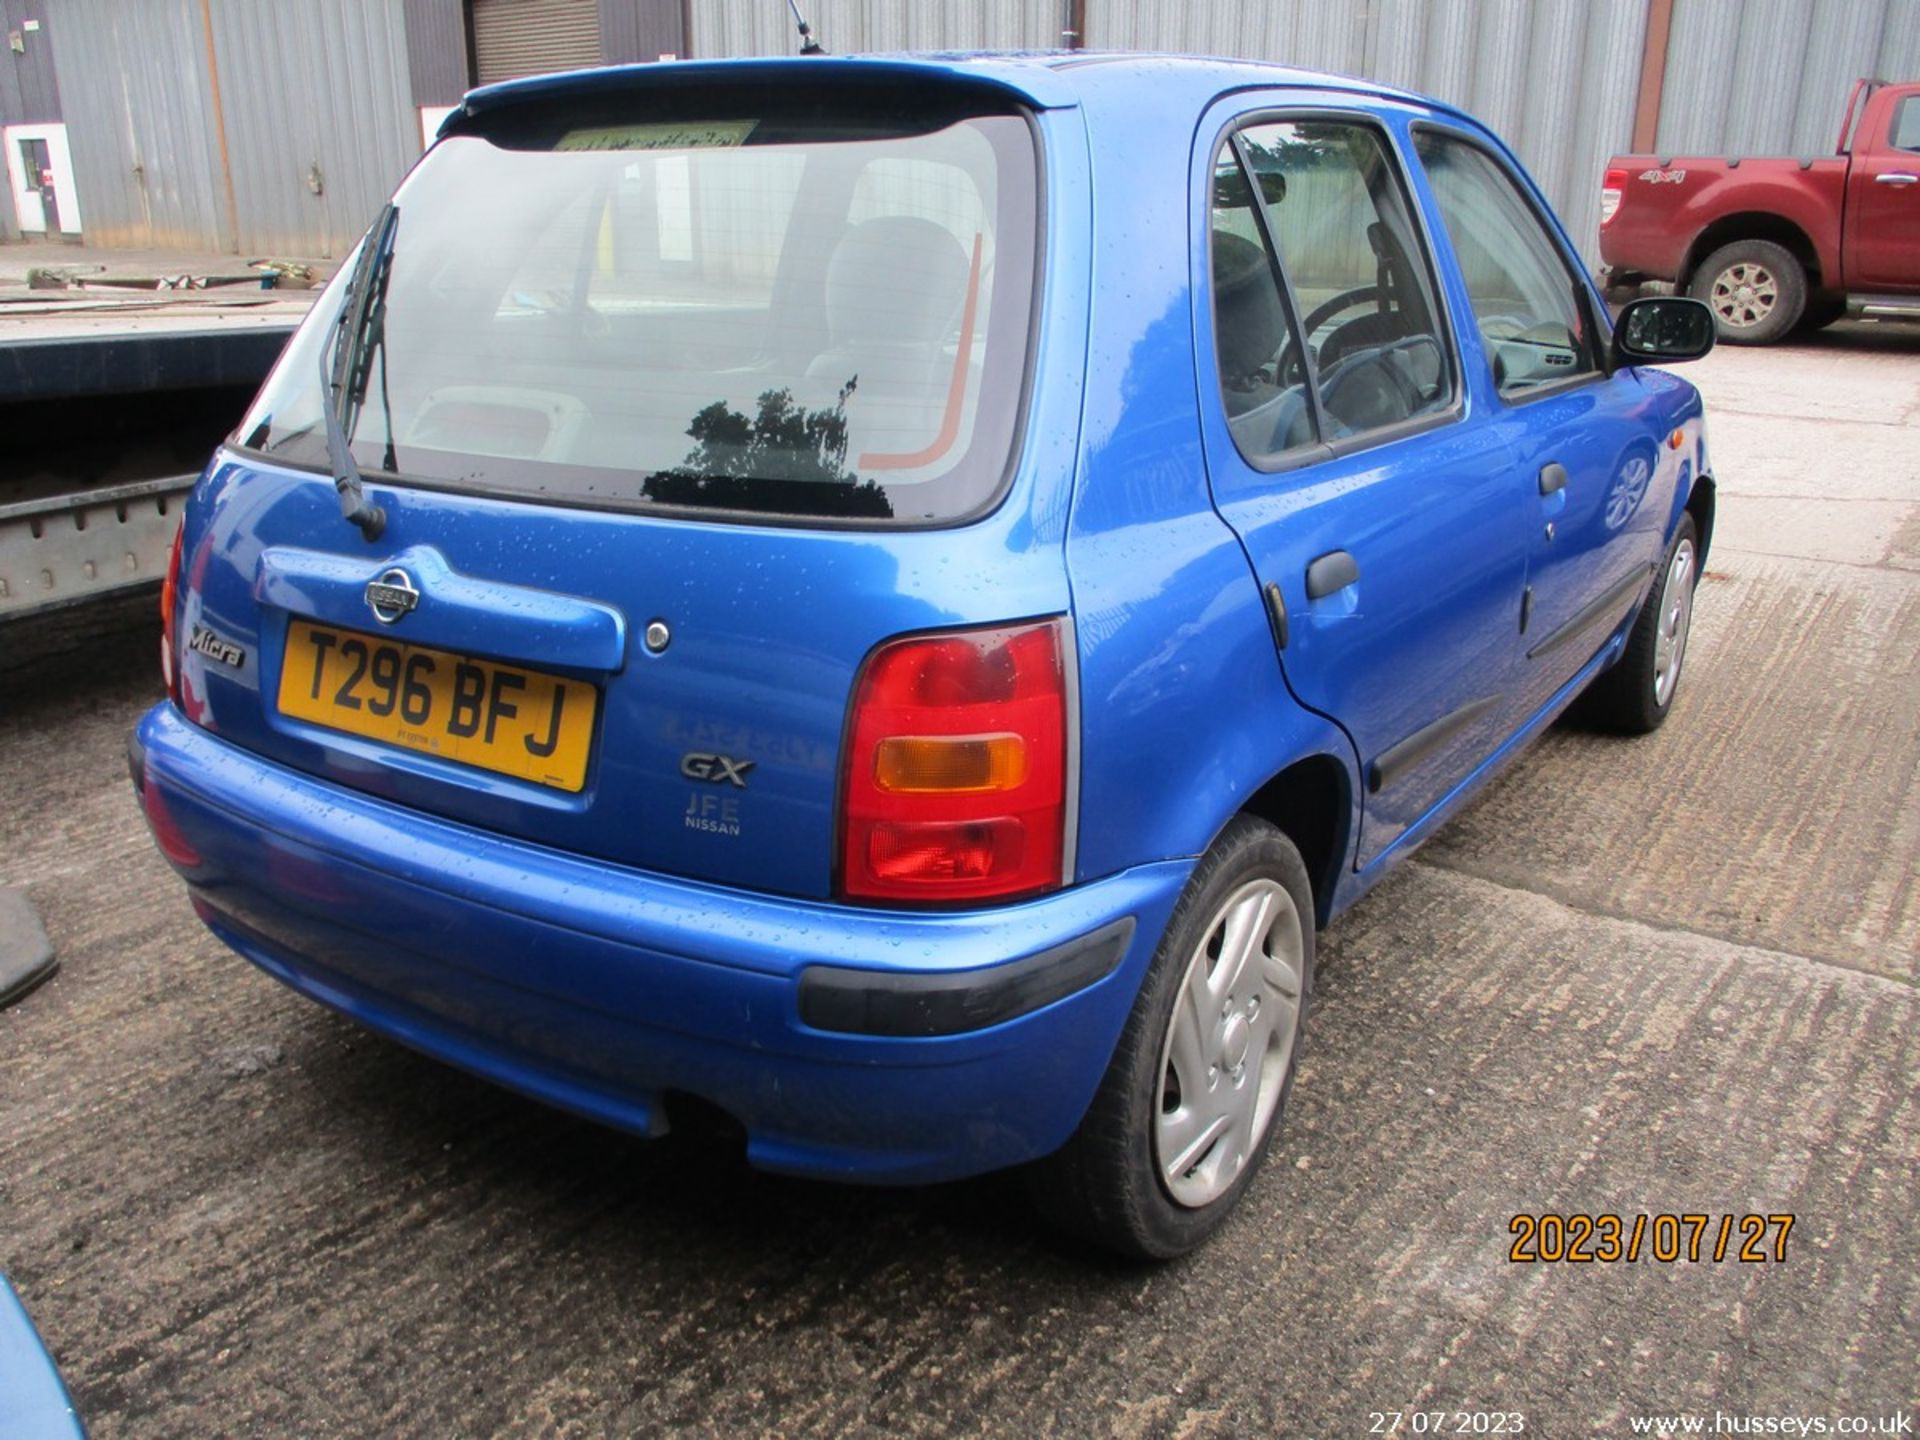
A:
[(677, 403)]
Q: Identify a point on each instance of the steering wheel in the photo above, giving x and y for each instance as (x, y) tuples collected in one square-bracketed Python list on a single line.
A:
[(1292, 369), (1345, 300)]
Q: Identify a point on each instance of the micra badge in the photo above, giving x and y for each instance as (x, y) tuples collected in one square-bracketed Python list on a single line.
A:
[(715, 768), (391, 595), (216, 647)]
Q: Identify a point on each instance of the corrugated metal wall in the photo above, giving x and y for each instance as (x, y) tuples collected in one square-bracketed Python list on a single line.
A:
[(134, 83), (324, 87), (763, 27), (313, 94), (306, 91), (28, 92), (1555, 78), (1771, 76)]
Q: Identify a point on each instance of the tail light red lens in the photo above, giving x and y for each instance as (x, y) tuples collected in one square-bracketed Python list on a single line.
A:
[(956, 771), (169, 598), (1611, 187)]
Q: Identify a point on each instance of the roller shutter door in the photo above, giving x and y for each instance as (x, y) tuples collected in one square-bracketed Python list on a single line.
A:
[(531, 37)]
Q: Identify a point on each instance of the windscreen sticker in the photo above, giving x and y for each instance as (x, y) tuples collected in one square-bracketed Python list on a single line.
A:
[(695, 135)]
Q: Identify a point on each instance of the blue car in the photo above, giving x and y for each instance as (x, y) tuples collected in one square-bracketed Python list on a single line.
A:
[(889, 597)]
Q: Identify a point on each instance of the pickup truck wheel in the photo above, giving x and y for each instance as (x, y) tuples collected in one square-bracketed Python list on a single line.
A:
[(1198, 1081), (1756, 289), (1633, 698)]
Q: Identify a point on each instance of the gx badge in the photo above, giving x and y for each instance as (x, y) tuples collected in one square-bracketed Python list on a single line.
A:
[(697, 765)]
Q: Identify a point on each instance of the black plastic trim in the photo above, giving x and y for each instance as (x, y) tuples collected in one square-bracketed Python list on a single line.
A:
[(1394, 762), (136, 762), (1331, 573), (1591, 612), (878, 1002), (1277, 614)]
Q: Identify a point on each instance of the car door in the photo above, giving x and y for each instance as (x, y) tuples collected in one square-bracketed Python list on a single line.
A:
[(1377, 510), (1882, 242), (1584, 441)]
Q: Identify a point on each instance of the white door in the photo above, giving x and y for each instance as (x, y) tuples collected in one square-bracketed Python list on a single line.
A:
[(39, 166)]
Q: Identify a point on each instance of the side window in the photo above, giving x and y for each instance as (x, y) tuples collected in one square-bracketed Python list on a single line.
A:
[(1906, 124), (1263, 381), (1358, 274), (1525, 298)]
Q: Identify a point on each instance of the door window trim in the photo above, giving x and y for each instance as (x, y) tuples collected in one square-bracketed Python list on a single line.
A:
[(1582, 283), (1321, 448)]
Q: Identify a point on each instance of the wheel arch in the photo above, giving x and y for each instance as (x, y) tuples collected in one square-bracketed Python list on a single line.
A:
[(1753, 225), (1700, 504), (1311, 803)]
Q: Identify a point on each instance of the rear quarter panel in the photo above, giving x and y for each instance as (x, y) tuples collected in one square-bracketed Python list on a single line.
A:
[(1186, 712)]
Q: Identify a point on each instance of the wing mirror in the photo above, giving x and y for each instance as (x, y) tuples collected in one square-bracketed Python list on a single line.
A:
[(1662, 330)]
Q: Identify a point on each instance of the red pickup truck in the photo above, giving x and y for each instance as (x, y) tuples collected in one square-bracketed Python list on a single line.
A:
[(1772, 243)]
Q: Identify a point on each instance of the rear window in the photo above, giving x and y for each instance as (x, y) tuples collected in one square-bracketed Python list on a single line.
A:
[(733, 305)]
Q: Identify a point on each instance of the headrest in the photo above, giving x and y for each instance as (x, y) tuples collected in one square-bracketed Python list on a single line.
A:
[(898, 279), (1249, 324)]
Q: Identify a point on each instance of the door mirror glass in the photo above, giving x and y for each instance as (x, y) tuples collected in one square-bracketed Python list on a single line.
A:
[(1661, 330)]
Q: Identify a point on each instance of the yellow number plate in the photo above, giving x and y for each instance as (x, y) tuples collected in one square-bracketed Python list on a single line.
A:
[(497, 717)]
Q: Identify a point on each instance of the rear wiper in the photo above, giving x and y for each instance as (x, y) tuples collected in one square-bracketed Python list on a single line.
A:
[(347, 365)]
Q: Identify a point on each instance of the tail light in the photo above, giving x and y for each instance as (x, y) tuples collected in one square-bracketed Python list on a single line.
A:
[(169, 596), (956, 772), (1611, 186)]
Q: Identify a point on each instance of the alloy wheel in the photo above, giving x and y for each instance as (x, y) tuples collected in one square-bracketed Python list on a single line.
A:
[(1744, 294)]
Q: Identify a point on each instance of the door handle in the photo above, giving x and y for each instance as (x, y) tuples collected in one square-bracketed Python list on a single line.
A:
[(1553, 478), (1896, 177), (1331, 573)]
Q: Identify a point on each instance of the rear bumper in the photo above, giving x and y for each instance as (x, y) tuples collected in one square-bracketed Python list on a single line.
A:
[(601, 989)]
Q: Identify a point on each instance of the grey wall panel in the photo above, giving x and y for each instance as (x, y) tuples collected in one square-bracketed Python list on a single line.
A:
[(436, 50), (763, 27), (641, 30), (29, 92), (1771, 76), (1555, 80), (135, 88), (313, 91), (304, 89), (1319, 36)]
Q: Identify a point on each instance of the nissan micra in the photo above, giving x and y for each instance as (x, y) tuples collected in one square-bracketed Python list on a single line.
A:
[(889, 597)]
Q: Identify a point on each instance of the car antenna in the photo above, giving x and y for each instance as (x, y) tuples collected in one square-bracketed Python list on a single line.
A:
[(808, 45)]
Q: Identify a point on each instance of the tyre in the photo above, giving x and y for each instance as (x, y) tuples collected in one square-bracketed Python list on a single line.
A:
[(1821, 313), (1633, 698), (1756, 289), (1200, 1077)]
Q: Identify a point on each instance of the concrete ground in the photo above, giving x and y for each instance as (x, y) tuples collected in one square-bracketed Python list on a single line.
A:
[(1675, 974)]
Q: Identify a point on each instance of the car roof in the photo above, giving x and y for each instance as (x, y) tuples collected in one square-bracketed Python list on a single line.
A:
[(1044, 79)]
